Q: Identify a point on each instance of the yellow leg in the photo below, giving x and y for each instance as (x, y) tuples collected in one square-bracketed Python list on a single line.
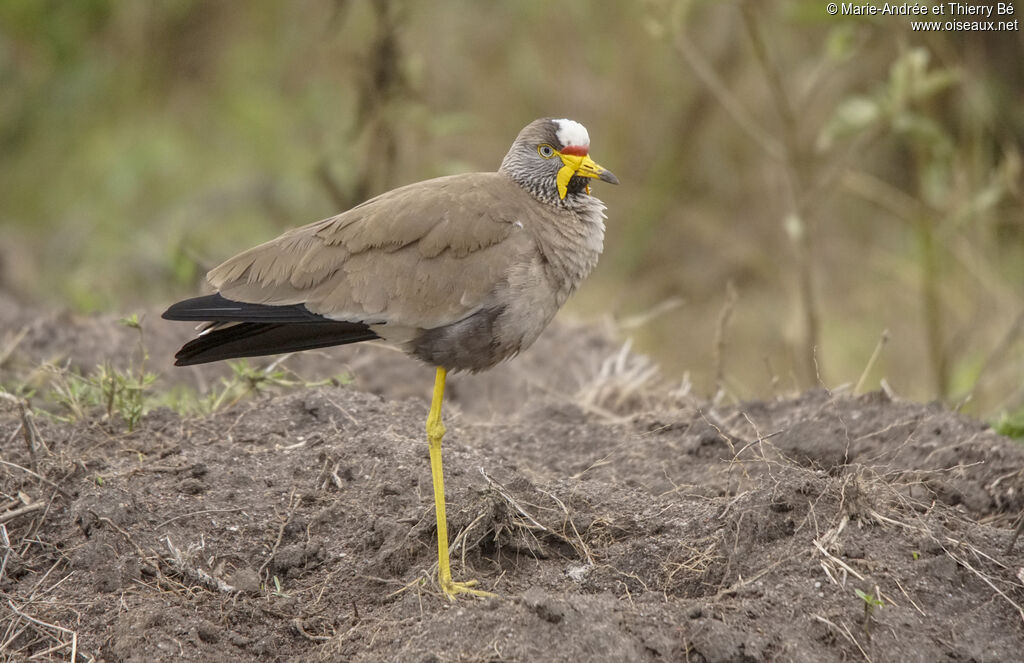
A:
[(435, 431)]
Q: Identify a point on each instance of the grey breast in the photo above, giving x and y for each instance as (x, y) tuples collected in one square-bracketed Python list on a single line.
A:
[(567, 242)]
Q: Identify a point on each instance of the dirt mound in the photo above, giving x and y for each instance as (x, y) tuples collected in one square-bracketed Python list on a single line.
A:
[(616, 521)]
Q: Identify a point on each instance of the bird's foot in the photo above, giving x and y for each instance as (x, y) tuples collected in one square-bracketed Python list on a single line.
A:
[(452, 589)]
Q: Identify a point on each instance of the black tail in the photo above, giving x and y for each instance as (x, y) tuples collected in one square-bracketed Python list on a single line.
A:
[(261, 330)]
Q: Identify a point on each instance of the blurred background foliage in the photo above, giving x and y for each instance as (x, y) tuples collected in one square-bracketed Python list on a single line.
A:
[(800, 192)]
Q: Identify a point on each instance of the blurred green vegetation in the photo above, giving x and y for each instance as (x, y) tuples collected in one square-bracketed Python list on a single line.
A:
[(839, 176)]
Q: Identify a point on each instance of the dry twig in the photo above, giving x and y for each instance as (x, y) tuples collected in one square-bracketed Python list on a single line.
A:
[(292, 504)]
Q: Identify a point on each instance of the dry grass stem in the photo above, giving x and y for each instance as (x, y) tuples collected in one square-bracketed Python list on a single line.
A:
[(718, 348), (875, 354), (193, 572), (845, 632), (292, 504), (507, 496)]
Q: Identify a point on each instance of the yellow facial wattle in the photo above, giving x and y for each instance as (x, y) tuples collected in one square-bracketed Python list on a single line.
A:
[(583, 166)]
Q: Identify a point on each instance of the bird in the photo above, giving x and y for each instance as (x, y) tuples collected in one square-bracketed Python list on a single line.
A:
[(461, 272)]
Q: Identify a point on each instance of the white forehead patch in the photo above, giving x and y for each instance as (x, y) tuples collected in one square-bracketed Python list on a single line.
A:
[(570, 132)]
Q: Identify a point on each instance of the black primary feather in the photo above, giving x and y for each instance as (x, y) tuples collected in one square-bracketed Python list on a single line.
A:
[(260, 329), (215, 308)]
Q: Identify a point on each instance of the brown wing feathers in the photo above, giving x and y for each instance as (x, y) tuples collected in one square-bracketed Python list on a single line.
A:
[(420, 257)]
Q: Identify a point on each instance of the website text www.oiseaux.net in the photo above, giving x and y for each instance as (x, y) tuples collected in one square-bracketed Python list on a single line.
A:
[(942, 17)]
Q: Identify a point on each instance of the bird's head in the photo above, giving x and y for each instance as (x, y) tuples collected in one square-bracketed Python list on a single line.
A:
[(552, 158)]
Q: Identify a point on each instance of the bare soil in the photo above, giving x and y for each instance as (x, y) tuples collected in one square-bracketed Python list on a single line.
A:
[(615, 518)]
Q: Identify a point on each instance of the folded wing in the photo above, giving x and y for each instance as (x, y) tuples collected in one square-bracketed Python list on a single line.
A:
[(421, 256)]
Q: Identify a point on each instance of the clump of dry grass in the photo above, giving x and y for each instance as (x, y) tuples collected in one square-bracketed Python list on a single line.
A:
[(626, 383), (29, 494)]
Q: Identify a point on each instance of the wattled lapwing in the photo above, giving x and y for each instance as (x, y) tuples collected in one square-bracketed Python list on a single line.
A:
[(460, 272)]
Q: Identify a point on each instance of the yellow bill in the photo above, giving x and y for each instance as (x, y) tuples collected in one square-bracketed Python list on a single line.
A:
[(583, 166)]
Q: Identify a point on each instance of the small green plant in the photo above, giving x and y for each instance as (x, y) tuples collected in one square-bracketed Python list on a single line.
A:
[(124, 393), (128, 395), (1010, 425), (19, 389), (277, 588), (247, 380), (70, 390), (133, 322), (870, 603)]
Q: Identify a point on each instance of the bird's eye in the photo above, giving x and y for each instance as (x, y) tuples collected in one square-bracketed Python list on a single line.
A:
[(546, 151)]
